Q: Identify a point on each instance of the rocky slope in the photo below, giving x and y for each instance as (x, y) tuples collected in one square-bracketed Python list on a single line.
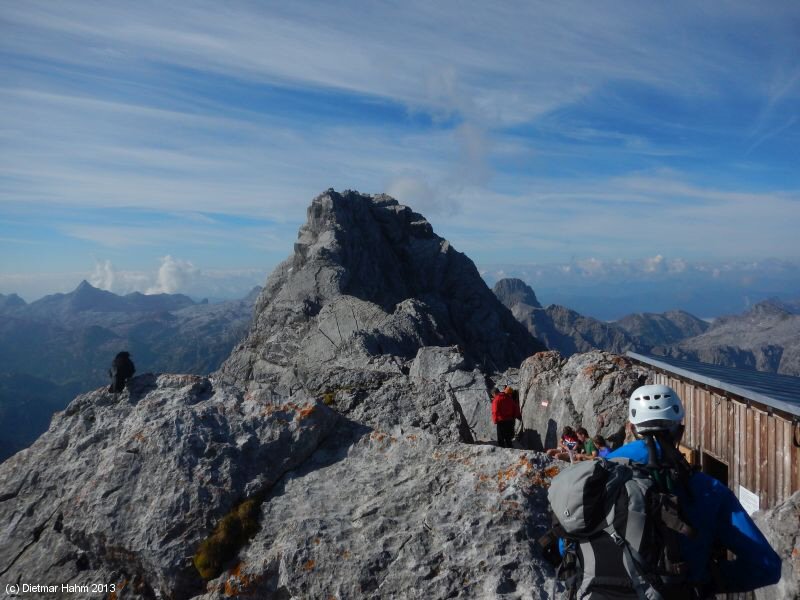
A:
[(766, 338), (588, 390), (370, 278), (512, 291), (671, 327), (122, 488), (63, 344), (781, 526), (560, 328)]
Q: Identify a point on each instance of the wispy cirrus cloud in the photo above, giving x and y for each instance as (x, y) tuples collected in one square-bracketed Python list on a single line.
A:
[(527, 129)]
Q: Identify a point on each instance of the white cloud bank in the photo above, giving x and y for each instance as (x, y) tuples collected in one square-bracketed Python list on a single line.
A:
[(177, 276), (173, 275)]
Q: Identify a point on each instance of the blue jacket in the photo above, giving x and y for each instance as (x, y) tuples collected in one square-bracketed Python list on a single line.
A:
[(716, 515)]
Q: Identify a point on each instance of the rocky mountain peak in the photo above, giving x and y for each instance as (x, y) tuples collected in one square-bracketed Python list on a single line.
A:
[(512, 291), (769, 308), (88, 297), (11, 301), (370, 278)]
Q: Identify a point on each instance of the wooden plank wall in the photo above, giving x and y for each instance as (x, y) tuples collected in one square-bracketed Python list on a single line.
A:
[(758, 448)]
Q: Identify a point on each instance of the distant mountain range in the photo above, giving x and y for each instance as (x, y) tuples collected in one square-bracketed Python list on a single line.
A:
[(766, 337), (63, 344), (609, 290)]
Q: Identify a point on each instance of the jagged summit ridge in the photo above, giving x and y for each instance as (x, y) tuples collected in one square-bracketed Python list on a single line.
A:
[(369, 278)]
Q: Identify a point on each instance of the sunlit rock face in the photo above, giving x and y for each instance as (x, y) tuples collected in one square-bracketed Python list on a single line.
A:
[(369, 278), (781, 527), (588, 390)]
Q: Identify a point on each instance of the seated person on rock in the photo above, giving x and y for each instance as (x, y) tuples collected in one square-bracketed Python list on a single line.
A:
[(586, 448), (568, 446), (602, 447), (122, 369)]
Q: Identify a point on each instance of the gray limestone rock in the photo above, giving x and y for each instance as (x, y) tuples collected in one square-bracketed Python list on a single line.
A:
[(781, 527), (369, 277), (124, 487), (588, 390), (391, 515)]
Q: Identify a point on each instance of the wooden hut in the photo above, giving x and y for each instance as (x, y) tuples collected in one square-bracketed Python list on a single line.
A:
[(742, 426)]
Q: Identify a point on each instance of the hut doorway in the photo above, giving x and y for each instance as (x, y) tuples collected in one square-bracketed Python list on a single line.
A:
[(715, 468)]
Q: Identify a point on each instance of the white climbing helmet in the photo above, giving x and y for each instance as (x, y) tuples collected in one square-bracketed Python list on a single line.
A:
[(655, 408)]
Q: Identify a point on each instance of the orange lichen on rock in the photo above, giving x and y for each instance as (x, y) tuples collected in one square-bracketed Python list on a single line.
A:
[(621, 362), (271, 409), (542, 478), (306, 412), (113, 595), (309, 565), (239, 582), (505, 476), (524, 468)]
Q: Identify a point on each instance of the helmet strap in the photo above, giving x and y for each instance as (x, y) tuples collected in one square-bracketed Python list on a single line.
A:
[(652, 452)]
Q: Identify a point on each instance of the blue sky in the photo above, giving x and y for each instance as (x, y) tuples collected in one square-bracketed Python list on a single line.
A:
[(176, 148)]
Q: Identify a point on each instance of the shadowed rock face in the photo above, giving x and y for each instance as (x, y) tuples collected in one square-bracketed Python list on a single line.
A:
[(369, 277), (512, 291), (560, 328)]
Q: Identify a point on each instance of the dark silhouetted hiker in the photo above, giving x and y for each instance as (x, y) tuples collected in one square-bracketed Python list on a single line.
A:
[(504, 412), (122, 369)]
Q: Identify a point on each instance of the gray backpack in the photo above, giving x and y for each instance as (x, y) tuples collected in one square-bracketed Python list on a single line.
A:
[(621, 522)]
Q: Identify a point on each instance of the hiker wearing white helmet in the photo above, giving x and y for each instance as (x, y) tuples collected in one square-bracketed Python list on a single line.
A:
[(709, 507), (655, 408)]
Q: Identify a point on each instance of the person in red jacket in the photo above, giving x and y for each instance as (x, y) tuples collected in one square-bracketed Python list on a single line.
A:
[(504, 412)]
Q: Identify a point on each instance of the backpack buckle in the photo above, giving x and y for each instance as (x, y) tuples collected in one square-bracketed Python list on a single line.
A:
[(618, 540)]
